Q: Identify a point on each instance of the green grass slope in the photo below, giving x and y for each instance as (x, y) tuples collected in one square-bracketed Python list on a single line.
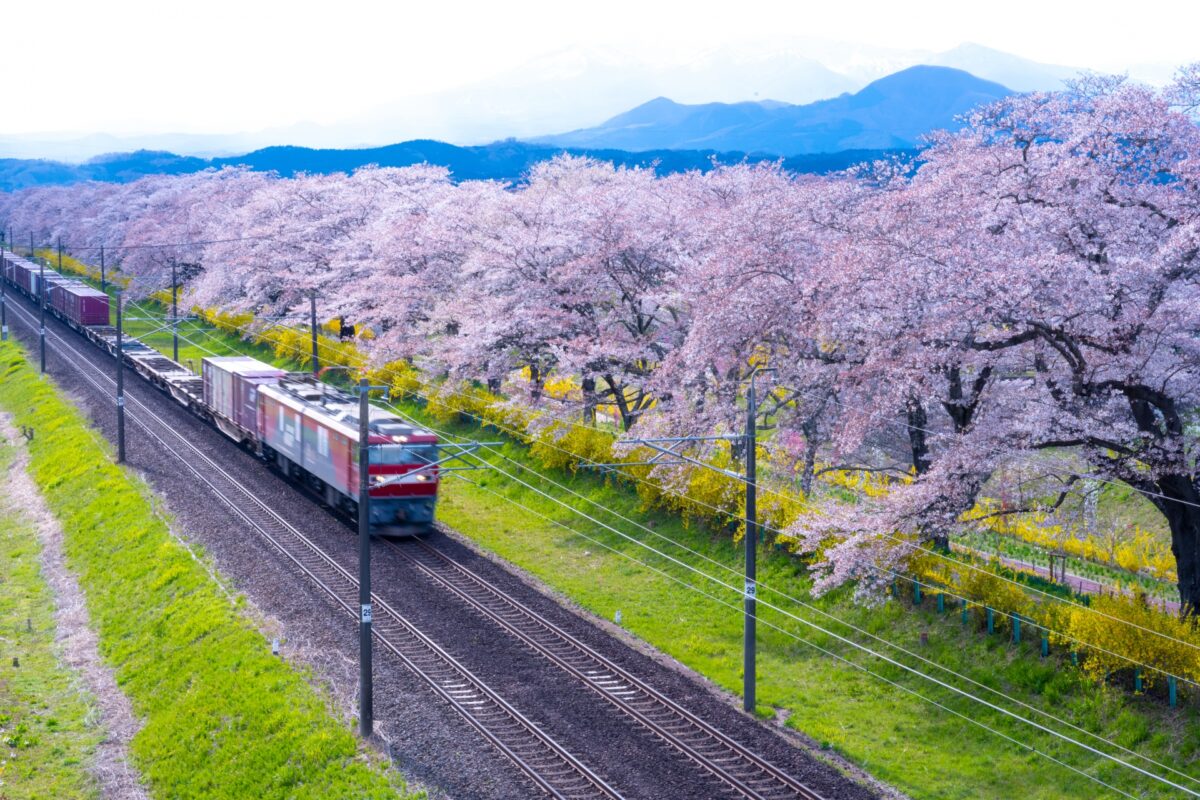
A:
[(223, 717), (48, 727)]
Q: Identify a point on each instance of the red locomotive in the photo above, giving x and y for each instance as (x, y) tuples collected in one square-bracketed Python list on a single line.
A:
[(305, 428), (309, 431)]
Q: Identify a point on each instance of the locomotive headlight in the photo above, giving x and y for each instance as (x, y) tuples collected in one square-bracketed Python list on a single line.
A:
[(399, 438)]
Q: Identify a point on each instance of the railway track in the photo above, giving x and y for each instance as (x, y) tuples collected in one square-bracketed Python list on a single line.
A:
[(547, 763), (723, 757)]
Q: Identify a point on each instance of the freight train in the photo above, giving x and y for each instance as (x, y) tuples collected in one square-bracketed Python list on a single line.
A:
[(304, 428)]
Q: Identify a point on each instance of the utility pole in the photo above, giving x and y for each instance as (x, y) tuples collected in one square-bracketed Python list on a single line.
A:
[(103, 282), (313, 321), (31, 244), (750, 638), (365, 700), (42, 297), (3, 297), (669, 450), (60, 255), (174, 313), (120, 382), (750, 643)]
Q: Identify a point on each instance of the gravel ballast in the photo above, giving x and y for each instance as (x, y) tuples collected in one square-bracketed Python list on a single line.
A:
[(427, 739)]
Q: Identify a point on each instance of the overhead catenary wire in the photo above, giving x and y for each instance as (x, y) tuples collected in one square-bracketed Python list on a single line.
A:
[(894, 573), (850, 642), (806, 505), (859, 630), (793, 635), (164, 245), (966, 564), (907, 543), (809, 623)]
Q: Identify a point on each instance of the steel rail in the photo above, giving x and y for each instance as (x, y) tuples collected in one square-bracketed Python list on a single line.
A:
[(749, 774), (547, 763)]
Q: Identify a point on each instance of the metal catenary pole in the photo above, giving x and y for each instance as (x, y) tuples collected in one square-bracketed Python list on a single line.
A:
[(120, 383), (3, 297), (669, 450), (42, 297), (365, 710), (313, 321), (749, 645), (174, 313), (103, 281)]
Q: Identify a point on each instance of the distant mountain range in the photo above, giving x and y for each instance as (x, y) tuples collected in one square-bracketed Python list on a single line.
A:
[(508, 161), (576, 88), (891, 113)]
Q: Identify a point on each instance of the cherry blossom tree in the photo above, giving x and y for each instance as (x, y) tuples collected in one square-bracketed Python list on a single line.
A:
[(1059, 238)]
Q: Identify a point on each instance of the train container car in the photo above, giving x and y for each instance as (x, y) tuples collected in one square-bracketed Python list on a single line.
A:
[(311, 432), (229, 381), (79, 303), (25, 276), (308, 429), (245, 396)]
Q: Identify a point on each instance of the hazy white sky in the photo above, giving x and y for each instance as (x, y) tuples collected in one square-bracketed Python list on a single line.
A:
[(128, 66)]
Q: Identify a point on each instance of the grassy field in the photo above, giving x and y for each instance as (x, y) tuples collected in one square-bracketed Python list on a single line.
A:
[(848, 700), (925, 739), (223, 717), (48, 725)]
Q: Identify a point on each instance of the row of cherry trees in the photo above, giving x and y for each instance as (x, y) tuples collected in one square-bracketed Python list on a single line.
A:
[(1030, 285)]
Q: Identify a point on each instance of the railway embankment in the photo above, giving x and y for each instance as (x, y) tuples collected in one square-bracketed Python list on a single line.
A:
[(51, 683), (217, 715)]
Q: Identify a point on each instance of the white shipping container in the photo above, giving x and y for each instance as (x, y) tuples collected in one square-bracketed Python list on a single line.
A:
[(218, 372)]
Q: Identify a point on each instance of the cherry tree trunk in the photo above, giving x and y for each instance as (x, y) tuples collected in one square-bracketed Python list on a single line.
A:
[(589, 400), (1181, 507), (536, 383), (921, 458)]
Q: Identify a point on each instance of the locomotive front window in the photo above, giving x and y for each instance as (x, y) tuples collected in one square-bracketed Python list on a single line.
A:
[(400, 454), (387, 454)]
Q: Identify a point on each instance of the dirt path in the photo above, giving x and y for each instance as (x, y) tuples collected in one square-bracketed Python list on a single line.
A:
[(77, 643), (1076, 582)]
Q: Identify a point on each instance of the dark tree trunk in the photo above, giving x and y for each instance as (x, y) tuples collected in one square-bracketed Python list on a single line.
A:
[(809, 428), (918, 441), (618, 393), (1180, 506), (493, 385), (535, 384), (917, 438), (589, 400)]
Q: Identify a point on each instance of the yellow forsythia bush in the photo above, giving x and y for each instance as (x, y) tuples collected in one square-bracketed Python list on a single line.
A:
[(982, 586), (1174, 652), (565, 446), (1141, 552)]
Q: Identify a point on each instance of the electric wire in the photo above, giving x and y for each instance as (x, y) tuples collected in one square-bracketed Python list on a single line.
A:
[(894, 573), (928, 551), (806, 622), (914, 545), (792, 634), (843, 639)]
